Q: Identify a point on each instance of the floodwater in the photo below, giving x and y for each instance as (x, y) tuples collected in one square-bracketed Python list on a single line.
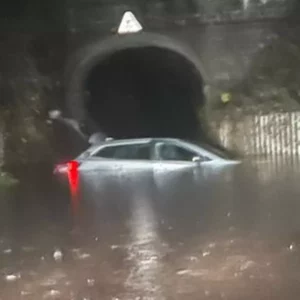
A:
[(230, 234)]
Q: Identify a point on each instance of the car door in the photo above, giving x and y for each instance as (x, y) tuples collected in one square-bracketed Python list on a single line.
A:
[(175, 167), (171, 156), (136, 165), (102, 169)]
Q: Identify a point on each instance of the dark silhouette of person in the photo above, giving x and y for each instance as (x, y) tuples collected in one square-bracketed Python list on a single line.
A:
[(71, 137)]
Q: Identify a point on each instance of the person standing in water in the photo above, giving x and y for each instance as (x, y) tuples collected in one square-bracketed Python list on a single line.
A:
[(71, 137)]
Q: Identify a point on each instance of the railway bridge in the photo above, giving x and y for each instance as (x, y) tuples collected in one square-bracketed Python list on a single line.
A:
[(181, 70)]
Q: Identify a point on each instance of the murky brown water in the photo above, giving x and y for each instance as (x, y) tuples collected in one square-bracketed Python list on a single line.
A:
[(236, 235)]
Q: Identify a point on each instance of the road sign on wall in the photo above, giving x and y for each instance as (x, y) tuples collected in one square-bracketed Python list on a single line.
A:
[(129, 24)]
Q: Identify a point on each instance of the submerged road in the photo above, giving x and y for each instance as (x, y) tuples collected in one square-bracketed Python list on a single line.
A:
[(229, 235)]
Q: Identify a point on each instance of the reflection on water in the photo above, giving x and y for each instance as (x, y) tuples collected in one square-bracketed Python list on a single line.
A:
[(144, 252), (227, 234)]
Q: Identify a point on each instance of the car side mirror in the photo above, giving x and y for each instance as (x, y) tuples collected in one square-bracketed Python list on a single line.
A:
[(196, 159)]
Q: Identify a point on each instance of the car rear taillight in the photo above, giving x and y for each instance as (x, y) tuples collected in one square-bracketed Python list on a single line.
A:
[(70, 169), (73, 175), (73, 165), (66, 168)]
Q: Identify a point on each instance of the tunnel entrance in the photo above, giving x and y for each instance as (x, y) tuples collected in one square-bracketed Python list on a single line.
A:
[(145, 92)]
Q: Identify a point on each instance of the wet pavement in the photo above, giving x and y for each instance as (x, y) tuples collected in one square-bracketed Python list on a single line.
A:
[(230, 234)]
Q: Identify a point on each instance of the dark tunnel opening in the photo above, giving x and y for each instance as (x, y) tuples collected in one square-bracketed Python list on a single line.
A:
[(145, 92)]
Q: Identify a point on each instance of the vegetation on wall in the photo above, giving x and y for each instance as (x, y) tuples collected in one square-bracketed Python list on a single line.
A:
[(272, 83), (26, 136)]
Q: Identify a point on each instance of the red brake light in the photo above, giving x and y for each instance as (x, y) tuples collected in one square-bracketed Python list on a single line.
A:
[(68, 167), (73, 165), (73, 175)]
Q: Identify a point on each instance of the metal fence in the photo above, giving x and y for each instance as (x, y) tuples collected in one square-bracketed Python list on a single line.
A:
[(271, 136)]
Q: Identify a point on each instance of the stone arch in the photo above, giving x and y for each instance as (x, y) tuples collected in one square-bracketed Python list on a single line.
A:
[(86, 59)]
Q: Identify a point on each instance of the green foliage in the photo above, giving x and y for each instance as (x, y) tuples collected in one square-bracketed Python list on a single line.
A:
[(275, 74), (271, 84), (26, 131)]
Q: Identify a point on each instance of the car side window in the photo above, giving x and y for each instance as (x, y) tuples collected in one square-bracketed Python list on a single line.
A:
[(168, 151), (130, 152)]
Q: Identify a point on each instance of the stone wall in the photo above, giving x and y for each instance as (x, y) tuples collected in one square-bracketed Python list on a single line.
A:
[(29, 86), (94, 15)]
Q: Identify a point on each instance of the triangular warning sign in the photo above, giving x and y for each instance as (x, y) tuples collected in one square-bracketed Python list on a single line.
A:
[(129, 24)]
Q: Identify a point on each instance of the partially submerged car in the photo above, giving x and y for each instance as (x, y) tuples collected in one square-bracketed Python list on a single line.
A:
[(137, 158)]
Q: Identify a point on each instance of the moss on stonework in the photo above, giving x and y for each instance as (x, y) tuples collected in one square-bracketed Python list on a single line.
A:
[(26, 131), (271, 84), (27, 140)]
